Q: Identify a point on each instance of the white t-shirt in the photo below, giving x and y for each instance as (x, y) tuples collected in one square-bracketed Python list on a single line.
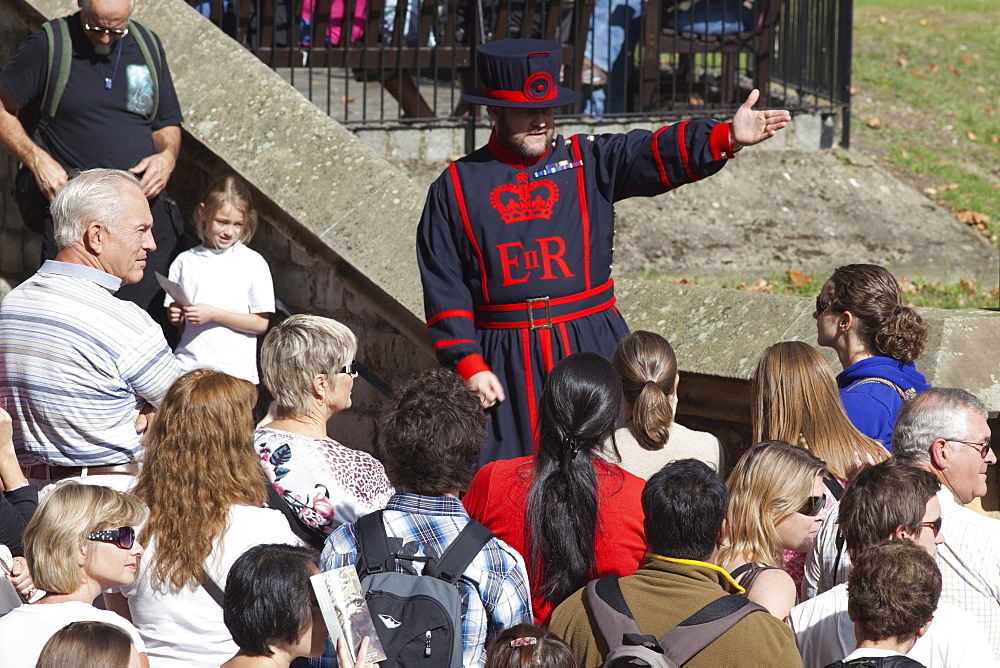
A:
[(184, 627), (25, 630), (236, 279), (825, 633)]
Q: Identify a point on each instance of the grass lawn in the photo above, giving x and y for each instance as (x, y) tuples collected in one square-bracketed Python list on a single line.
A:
[(926, 79)]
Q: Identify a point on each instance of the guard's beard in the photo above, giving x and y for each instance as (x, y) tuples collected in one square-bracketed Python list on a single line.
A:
[(102, 49)]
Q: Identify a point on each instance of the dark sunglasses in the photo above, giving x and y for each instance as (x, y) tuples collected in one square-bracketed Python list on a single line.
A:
[(123, 537), (351, 368), (934, 526), (812, 506), (113, 32)]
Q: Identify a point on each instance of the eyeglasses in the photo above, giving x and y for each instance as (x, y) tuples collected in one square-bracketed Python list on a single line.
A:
[(983, 448), (113, 32), (351, 368), (123, 537), (934, 526), (812, 506)]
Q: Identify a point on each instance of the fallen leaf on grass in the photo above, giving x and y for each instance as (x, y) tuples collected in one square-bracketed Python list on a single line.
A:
[(883, 20), (965, 59), (995, 139), (933, 68), (906, 286), (969, 285), (903, 63), (854, 91), (980, 89), (923, 22), (954, 70), (971, 135), (973, 219), (917, 73), (799, 279), (874, 123), (346, 100), (760, 285), (683, 281), (930, 191), (996, 186)]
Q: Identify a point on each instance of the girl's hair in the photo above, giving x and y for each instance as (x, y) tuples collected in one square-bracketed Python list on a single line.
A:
[(87, 645), (295, 351), (221, 191), (268, 597), (68, 514), (872, 295), (199, 462), (771, 480), (579, 408), (528, 646), (647, 366), (794, 398)]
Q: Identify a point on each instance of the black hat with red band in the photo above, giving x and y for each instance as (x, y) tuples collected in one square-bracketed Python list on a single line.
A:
[(521, 73)]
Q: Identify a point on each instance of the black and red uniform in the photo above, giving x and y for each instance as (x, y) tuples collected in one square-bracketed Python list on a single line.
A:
[(515, 255)]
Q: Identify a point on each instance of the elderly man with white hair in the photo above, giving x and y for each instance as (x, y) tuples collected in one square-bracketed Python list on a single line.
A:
[(77, 365)]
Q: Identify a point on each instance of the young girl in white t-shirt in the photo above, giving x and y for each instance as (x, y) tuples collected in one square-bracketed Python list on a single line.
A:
[(228, 285)]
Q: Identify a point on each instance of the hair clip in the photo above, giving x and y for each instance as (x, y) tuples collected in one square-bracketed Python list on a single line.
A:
[(521, 642), (572, 444)]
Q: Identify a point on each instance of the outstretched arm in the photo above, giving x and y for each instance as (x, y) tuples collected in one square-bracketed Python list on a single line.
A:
[(752, 126)]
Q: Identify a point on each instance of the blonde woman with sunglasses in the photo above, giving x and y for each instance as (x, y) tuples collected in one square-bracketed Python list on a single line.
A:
[(777, 501), (80, 542)]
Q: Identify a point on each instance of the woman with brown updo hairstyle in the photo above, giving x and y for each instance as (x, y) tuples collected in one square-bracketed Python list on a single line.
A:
[(650, 439), (201, 478), (859, 313)]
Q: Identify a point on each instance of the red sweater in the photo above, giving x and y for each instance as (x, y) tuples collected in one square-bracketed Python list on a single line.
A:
[(498, 497)]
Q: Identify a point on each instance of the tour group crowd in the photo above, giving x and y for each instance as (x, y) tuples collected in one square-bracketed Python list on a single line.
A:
[(537, 480)]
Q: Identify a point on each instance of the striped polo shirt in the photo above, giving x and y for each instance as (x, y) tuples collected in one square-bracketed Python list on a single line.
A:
[(76, 365)]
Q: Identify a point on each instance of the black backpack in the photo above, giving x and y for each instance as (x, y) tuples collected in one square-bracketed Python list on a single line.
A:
[(629, 647), (418, 617)]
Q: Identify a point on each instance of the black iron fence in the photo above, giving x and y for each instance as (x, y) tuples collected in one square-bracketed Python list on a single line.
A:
[(386, 62)]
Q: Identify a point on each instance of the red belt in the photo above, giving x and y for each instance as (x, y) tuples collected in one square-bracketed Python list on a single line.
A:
[(543, 312), (50, 472)]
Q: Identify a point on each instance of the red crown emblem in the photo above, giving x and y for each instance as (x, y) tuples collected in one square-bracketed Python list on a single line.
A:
[(523, 201)]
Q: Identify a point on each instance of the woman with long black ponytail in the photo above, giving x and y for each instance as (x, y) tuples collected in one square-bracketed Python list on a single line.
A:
[(573, 515)]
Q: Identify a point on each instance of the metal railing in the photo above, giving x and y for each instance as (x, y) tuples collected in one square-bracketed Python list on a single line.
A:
[(370, 63)]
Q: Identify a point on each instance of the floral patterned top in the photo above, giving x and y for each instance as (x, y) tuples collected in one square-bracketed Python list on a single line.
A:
[(326, 483)]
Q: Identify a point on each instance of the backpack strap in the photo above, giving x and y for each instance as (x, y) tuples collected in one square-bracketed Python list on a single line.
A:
[(752, 570), (213, 590), (832, 484), (374, 555), (60, 59), (881, 381), (615, 622), (705, 627), (310, 535), (457, 557), (150, 48)]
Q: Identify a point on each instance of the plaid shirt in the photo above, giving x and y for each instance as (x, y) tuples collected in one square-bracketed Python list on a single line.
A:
[(497, 574), (970, 564)]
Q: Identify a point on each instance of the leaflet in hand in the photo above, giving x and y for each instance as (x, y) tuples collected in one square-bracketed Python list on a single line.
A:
[(345, 611), (175, 291)]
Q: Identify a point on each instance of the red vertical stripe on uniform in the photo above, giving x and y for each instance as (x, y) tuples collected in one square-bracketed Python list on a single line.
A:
[(564, 335), (529, 380), (659, 159), (460, 197), (545, 339), (584, 213), (682, 149)]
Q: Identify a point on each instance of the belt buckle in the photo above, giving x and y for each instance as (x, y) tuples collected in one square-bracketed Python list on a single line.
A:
[(548, 313)]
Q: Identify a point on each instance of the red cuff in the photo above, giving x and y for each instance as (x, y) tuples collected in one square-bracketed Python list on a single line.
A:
[(718, 142), (471, 365)]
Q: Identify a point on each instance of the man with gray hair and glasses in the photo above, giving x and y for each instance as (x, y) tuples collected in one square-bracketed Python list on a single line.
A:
[(942, 430), (78, 365)]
